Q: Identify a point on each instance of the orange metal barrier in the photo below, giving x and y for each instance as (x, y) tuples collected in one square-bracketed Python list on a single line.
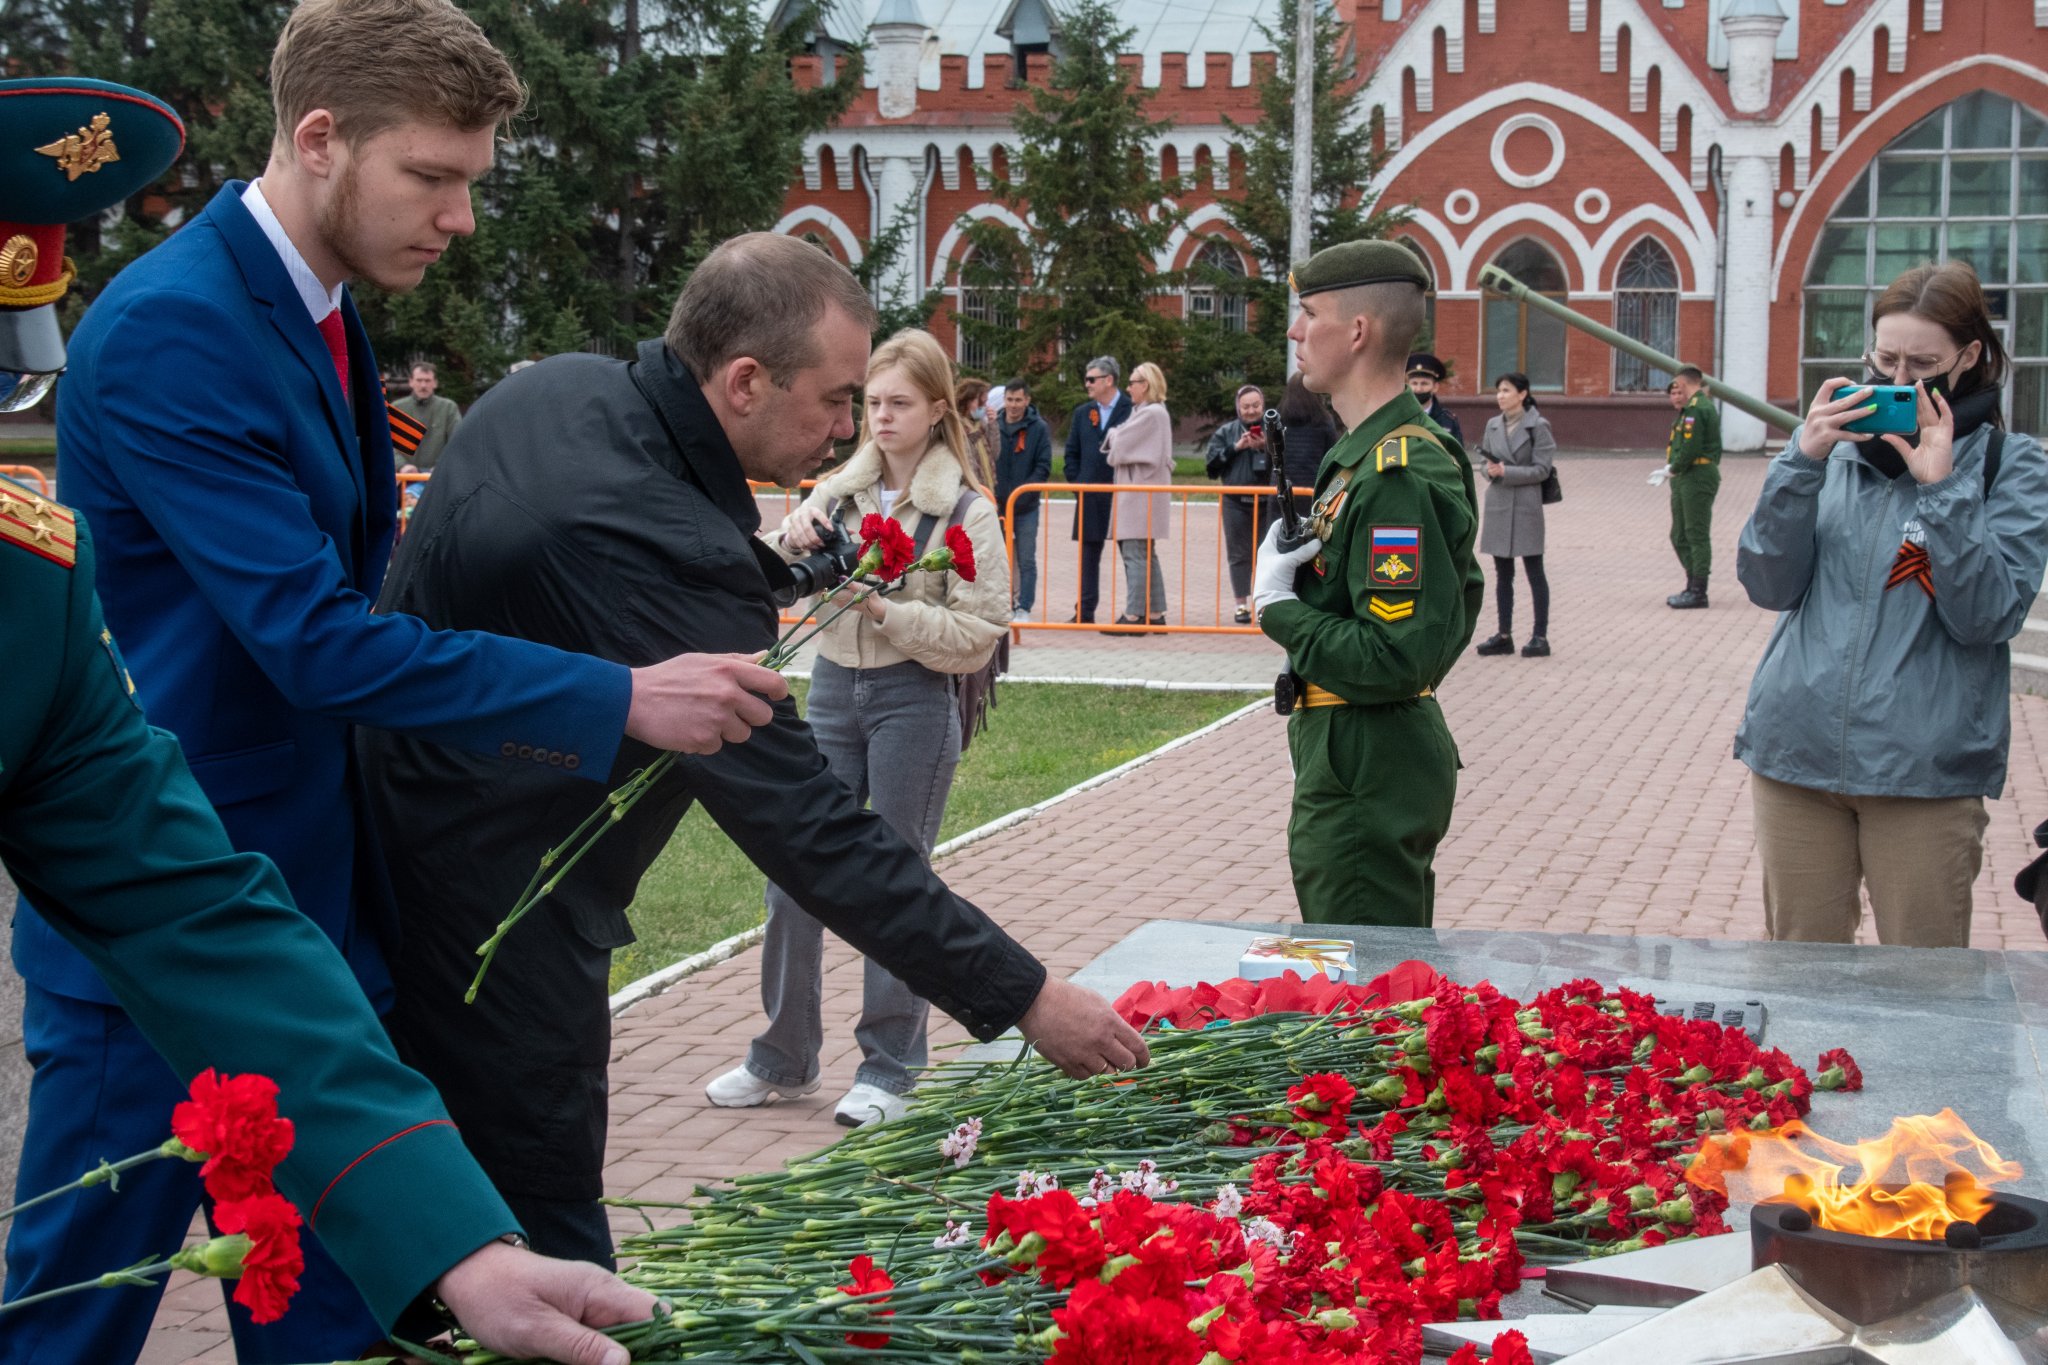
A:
[(29, 474), (1193, 541)]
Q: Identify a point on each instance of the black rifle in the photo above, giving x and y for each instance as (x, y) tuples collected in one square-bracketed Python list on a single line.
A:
[(1293, 531)]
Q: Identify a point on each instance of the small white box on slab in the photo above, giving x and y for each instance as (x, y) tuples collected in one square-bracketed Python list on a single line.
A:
[(1274, 955)]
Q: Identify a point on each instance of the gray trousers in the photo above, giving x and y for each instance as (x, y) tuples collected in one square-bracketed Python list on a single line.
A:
[(893, 736), (1136, 553), (1241, 538)]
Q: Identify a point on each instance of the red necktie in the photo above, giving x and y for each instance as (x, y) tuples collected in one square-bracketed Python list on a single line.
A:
[(337, 346)]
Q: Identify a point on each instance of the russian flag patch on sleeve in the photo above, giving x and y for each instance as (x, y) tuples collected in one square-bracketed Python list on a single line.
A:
[(1396, 556)]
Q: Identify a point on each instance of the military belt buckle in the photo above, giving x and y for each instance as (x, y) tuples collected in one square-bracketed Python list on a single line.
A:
[(1285, 691)]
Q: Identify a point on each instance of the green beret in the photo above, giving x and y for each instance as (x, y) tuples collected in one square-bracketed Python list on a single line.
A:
[(1350, 264)]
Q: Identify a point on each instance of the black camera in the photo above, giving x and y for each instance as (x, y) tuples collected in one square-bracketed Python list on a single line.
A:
[(824, 568)]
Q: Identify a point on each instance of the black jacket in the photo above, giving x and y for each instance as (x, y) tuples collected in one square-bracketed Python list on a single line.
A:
[(596, 504), (1441, 415), (1085, 463), (1032, 463)]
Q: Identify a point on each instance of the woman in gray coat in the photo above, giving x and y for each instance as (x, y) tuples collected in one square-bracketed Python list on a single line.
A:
[(1517, 454)]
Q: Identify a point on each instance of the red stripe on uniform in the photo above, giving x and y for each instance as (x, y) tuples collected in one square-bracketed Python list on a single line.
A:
[(314, 1218)]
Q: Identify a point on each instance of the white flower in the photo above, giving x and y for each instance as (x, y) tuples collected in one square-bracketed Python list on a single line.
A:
[(1229, 1203), (955, 1235), (1101, 1186), (1271, 1233), (959, 1145), (1031, 1183), (1146, 1180)]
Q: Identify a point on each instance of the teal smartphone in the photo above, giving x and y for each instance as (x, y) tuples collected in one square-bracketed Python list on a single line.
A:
[(1898, 411)]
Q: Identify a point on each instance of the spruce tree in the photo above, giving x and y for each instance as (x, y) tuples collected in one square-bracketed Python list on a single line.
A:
[(1343, 205), (1084, 173)]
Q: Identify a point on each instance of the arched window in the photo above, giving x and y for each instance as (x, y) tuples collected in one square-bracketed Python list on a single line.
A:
[(982, 298), (1646, 308), (1213, 291), (1969, 182), (1518, 337)]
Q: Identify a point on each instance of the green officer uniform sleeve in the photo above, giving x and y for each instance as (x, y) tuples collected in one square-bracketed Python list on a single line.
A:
[(1389, 630), (104, 828), (1684, 440), (1707, 431)]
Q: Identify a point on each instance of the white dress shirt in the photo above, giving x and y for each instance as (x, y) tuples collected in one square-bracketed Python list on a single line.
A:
[(319, 299)]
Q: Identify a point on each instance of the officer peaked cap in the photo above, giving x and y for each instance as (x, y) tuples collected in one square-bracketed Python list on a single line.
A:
[(1427, 365), (1350, 264)]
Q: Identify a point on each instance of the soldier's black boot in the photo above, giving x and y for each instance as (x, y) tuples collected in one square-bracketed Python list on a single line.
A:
[(1499, 643), (1694, 596)]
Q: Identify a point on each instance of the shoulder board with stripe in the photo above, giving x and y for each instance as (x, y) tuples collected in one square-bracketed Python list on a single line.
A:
[(36, 524), (1405, 442), (1390, 609)]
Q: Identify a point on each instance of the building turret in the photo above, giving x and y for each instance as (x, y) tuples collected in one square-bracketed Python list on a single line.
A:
[(1752, 28), (899, 34)]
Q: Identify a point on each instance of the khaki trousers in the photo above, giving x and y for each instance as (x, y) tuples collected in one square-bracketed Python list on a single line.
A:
[(1918, 855)]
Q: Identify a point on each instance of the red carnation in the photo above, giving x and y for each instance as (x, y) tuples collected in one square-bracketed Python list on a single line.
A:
[(1324, 1097), (234, 1121), (896, 548), (1838, 1071), (869, 1278), (963, 553), (270, 1270)]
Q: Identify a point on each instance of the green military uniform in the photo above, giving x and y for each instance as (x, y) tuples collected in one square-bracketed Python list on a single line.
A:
[(1382, 613), (104, 828), (1694, 457), (434, 422)]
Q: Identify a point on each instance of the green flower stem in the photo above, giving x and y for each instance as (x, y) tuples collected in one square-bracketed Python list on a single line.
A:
[(106, 1173), (139, 1273)]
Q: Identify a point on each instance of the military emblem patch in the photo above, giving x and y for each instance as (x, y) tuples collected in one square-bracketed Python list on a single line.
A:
[(1396, 556)]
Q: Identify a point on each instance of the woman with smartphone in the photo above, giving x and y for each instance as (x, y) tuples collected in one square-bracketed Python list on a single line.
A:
[(1516, 454), (1903, 553)]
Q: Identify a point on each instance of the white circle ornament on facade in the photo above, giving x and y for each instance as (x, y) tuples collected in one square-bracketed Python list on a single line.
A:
[(1591, 206), (1461, 206), (1536, 123)]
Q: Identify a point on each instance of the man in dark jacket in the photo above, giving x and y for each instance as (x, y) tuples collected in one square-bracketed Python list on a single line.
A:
[(1023, 455), (1240, 455), (651, 543), (1425, 372), (1106, 406)]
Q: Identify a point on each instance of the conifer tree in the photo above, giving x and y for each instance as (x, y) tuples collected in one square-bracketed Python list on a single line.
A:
[(1084, 173)]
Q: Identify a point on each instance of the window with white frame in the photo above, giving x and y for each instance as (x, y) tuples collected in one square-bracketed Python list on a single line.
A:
[(1645, 308), (1213, 291)]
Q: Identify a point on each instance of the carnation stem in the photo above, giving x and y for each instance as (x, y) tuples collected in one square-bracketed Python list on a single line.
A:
[(106, 1173), (135, 1274)]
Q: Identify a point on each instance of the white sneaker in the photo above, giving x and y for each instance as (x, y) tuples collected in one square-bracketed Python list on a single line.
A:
[(865, 1104), (740, 1088), (1020, 613)]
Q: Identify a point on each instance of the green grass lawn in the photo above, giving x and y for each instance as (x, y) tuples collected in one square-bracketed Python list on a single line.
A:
[(1042, 739)]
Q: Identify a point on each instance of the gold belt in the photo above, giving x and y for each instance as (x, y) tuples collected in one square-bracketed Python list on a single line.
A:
[(1703, 460), (1311, 695)]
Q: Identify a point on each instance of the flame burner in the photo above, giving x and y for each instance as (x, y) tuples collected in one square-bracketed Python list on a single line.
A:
[(1871, 1279)]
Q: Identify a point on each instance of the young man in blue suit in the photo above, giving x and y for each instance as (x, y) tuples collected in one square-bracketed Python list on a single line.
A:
[(1106, 406), (223, 430)]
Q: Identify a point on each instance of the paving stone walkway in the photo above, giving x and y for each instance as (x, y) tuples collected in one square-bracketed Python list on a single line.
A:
[(1598, 796)]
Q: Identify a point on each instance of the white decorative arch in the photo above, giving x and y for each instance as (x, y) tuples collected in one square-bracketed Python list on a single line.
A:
[(1624, 231), (1695, 231), (954, 232), (827, 220), (1206, 216), (1863, 136)]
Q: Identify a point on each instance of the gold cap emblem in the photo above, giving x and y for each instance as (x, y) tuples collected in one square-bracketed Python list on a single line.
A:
[(18, 258), (86, 150)]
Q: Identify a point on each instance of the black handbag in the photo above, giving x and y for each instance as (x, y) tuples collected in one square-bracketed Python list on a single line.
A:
[(1552, 492), (2032, 882)]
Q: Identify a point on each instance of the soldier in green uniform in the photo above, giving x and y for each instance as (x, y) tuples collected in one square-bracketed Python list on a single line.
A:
[(1376, 607), (1693, 456), (103, 825)]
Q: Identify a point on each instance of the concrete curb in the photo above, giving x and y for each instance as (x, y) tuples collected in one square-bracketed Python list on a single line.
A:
[(654, 983)]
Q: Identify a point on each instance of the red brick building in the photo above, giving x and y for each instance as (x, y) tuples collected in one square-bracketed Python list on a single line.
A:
[(1728, 179)]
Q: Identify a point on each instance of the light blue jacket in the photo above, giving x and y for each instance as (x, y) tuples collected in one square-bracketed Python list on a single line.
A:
[(1869, 691)]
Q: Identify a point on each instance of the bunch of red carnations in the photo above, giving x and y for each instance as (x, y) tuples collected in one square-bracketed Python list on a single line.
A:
[(230, 1125)]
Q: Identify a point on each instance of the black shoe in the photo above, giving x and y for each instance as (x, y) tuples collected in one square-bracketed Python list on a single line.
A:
[(1537, 648), (1693, 598), (1077, 619), (1499, 644), (1243, 616), (1691, 586)]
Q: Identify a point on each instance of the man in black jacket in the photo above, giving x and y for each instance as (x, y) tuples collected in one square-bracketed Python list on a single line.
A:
[(1023, 455), (606, 503), (1105, 407)]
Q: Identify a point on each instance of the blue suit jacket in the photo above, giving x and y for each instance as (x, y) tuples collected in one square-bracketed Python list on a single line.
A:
[(244, 508), (1085, 463)]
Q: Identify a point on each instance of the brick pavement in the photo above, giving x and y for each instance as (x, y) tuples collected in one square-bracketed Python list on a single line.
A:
[(1598, 796)]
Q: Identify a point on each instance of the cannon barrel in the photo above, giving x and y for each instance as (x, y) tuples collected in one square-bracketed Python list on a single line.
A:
[(1493, 277)]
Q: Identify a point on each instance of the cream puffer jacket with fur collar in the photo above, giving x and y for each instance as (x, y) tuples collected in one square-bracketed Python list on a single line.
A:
[(937, 619)]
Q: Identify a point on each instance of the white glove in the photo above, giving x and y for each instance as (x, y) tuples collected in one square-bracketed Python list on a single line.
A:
[(1273, 572), (1658, 475)]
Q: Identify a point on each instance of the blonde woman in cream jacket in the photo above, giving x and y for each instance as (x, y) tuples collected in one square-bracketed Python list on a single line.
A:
[(882, 703)]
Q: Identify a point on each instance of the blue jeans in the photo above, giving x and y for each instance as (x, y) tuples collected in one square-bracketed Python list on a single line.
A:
[(101, 1091), (1024, 582), (893, 736)]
